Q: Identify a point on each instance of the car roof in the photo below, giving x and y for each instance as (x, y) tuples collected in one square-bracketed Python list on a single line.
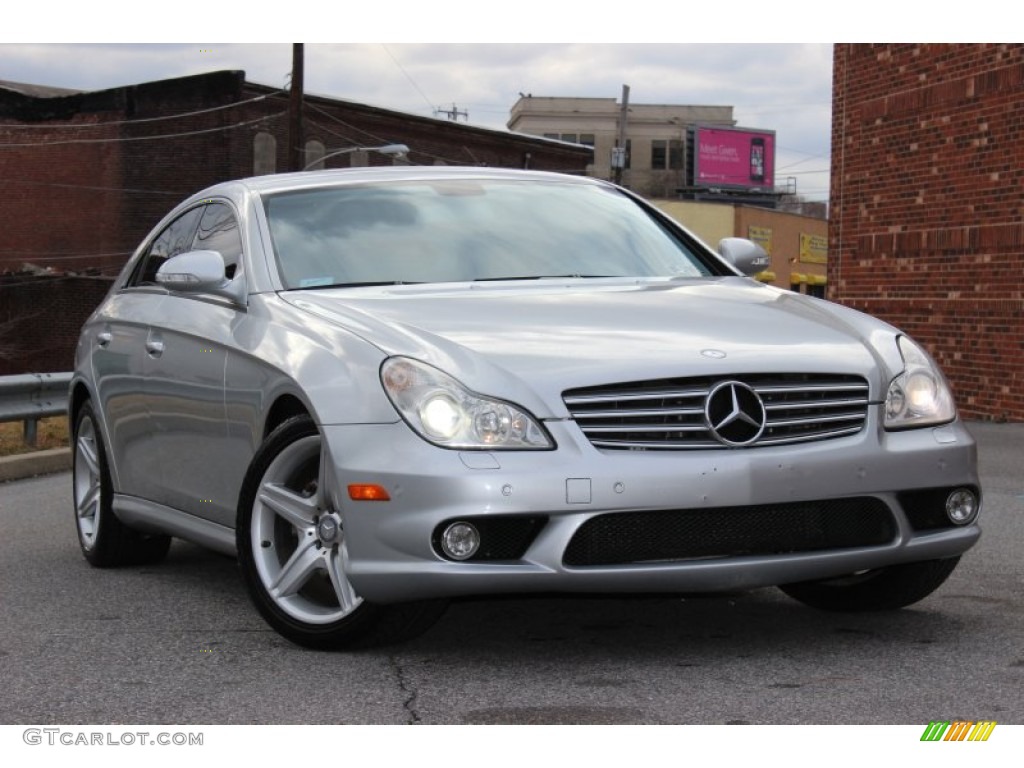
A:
[(284, 182)]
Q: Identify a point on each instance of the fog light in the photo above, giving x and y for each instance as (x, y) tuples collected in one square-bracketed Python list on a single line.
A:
[(962, 506), (460, 541)]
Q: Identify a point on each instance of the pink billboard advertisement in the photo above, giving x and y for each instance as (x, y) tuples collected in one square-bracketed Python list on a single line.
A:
[(734, 157)]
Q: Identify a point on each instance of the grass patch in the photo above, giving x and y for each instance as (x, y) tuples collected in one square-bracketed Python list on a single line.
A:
[(52, 433)]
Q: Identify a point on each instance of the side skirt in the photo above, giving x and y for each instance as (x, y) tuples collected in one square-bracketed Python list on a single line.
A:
[(149, 517)]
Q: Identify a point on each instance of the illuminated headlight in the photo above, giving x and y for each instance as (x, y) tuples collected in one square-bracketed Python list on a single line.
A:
[(919, 396), (445, 413)]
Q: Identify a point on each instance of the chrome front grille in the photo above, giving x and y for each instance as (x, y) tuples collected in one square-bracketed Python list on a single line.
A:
[(669, 414)]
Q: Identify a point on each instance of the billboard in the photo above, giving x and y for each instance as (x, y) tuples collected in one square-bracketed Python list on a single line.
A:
[(738, 158), (813, 249)]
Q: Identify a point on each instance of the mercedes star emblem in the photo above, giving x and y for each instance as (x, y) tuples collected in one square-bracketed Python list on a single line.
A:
[(734, 413)]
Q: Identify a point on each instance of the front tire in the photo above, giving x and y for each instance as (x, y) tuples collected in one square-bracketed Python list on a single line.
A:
[(105, 541), (882, 589), (293, 551)]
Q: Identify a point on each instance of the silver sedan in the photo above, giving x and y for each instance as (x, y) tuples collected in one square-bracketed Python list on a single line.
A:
[(384, 388)]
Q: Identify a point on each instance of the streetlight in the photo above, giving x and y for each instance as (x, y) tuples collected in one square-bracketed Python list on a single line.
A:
[(395, 150)]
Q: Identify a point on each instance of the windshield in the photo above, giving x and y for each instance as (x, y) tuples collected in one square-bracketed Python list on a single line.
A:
[(462, 230)]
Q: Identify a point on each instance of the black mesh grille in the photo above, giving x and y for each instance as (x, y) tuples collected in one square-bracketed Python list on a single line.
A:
[(766, 529), (501, 538), (668, 414)]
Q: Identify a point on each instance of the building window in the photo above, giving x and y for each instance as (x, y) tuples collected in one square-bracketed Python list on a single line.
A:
[(264, 154), (551, 136), (587, 139), (315, 151), (659, 154), (675, 155), (667, 154)]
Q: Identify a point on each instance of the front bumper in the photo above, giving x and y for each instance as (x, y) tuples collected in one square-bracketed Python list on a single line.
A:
[(392, 557)]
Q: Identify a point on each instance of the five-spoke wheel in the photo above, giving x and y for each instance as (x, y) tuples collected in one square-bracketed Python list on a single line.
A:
[(104, 539), (293, 551)]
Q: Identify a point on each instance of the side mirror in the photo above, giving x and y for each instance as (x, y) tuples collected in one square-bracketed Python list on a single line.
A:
[(746, 255), (199, 272)]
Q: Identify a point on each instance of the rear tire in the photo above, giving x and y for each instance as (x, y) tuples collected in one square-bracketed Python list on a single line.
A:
[(105, 541), (882, 589), (293, 552)]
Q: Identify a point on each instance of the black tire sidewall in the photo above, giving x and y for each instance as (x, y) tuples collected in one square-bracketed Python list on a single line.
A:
[(886, 589)]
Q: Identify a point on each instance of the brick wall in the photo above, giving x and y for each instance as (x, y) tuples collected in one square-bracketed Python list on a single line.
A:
[(86, 176), (927, 226), (40, 318)]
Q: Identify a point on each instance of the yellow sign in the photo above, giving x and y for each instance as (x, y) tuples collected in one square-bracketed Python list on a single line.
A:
[(813, 249), (762, 236)]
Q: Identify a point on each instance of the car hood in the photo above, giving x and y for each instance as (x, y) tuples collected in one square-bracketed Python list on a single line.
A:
[(531, 340)]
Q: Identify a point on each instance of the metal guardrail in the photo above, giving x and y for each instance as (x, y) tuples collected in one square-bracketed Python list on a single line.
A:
[(32, 396)]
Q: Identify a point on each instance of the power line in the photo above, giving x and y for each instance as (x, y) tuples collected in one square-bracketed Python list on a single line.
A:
[(91, 187), (55, 126), (408, 77), (376, 138), (122, 139), (59, 255)]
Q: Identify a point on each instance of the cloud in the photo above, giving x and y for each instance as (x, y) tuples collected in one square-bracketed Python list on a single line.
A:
[(786, 88)]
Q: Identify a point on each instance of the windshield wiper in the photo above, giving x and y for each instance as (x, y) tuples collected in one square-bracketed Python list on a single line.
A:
[(538, 277), (366, 284)]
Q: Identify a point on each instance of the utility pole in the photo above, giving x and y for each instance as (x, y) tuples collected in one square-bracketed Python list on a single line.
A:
[(453, 114), (619, 153), (295, 147)]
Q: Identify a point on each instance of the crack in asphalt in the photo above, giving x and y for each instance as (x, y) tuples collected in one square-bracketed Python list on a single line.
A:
[(409, 705)]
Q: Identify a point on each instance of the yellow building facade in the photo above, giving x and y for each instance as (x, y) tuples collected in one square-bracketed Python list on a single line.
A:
[(796, 244)]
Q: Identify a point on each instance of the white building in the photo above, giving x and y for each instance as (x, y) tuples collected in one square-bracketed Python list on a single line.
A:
[(656, 135)]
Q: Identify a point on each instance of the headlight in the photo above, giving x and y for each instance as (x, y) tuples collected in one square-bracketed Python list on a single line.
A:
[(919, 396), (445, 413)]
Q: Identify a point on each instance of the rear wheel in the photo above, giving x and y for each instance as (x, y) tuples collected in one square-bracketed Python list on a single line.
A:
[(882, 589), (105, 540), (293, 551)]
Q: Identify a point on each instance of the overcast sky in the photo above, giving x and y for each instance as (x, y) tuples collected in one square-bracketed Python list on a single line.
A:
[(784, 87)]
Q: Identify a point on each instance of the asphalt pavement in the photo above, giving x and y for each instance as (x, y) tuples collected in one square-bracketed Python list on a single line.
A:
[(180, 643)]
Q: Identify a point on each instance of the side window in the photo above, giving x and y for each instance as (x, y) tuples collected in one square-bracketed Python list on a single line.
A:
[(218, 231), (175, 239)]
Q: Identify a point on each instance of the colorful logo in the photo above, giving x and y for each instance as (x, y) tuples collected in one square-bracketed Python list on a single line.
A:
[(958, 730)]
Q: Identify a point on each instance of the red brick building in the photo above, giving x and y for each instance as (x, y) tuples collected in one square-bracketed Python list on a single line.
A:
[(927, 206), (86, 175)]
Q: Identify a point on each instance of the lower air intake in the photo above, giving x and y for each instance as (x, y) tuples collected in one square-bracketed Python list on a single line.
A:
[(766, 529)]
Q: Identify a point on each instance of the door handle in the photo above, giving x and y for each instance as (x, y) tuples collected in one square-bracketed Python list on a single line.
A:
[(154, 347), (103, 338)]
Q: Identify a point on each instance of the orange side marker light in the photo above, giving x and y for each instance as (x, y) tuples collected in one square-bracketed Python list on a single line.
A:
[(367, 492)]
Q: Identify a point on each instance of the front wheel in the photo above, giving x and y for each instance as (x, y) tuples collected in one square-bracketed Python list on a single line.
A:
[(881, 589), (293, 551)]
